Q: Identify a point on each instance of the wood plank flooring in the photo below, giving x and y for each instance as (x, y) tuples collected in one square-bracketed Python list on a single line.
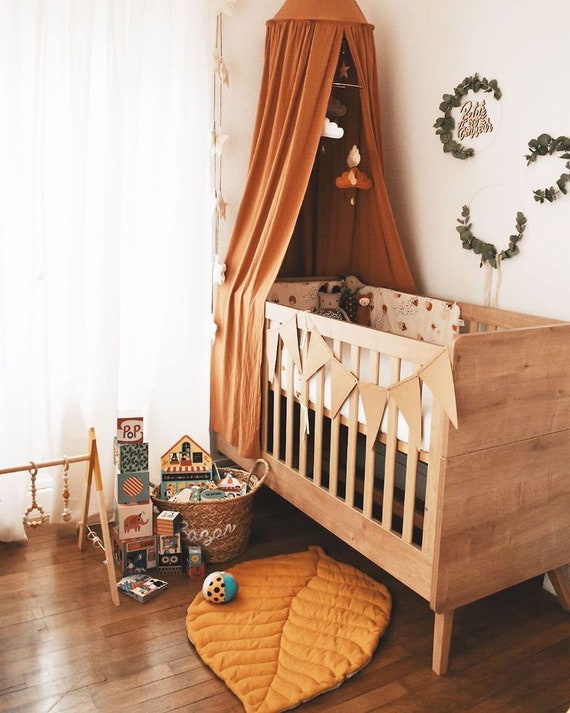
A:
[(65, 647)]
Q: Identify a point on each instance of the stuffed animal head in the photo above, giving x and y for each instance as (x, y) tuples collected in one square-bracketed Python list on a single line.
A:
[(364, 309), (329, 303), (353, 283)]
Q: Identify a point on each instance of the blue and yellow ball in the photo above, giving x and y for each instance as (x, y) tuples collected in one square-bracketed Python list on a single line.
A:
[(220, 587)]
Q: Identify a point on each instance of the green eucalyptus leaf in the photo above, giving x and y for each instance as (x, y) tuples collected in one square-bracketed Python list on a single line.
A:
[(488, 251), (449, 101)]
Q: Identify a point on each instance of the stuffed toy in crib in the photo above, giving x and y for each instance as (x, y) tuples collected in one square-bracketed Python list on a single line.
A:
[(329, 303)]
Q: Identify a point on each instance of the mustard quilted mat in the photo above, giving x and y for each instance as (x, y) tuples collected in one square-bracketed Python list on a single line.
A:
[(300, 625)]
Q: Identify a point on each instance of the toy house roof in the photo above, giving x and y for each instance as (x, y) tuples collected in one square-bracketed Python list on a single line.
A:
[(186, 456)]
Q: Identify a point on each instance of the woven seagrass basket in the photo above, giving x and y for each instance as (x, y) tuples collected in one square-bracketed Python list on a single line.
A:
[(221, 527)]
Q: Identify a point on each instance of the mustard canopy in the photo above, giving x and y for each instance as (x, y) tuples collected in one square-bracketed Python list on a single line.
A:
[(291, 221)]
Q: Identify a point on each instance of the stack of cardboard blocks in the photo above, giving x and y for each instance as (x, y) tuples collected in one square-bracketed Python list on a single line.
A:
[(185, 466), (194, 562), (174, 556), (134, 543), (139, 544), (167, 527)]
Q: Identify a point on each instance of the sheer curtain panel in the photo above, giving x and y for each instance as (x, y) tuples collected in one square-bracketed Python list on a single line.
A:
[(105, 232)]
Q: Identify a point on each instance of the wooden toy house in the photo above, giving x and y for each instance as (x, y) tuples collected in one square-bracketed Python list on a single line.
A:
[(186, 461)]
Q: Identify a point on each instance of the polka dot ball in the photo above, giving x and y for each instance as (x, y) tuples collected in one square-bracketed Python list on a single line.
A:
[(220, 587)]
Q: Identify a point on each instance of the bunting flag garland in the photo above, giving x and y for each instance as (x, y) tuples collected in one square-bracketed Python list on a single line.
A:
[(288, 332), (437, 375), (407, 396), (374, 400), (318, 355), (271, 344), (342, 385)]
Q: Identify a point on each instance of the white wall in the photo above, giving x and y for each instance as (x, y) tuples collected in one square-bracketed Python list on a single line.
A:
[(425, 48)]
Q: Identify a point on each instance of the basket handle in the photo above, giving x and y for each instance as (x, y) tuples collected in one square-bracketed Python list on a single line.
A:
[(259, 461)]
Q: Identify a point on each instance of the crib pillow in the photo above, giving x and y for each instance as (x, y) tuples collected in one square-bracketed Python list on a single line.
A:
[(299, 295), (422, 318)]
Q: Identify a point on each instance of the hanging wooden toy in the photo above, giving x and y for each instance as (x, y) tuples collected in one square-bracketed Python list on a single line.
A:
[(66, 512), (29, 519)]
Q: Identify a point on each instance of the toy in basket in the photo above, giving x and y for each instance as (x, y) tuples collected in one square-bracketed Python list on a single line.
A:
[(221, 527)]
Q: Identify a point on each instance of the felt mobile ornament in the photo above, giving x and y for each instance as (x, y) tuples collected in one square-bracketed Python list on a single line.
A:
[(353, 178)]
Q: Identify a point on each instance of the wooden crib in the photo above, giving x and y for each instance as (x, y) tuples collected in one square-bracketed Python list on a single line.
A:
[(460, 513)]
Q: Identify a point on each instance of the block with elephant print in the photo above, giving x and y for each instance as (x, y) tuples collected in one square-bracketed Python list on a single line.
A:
[(134, 520)]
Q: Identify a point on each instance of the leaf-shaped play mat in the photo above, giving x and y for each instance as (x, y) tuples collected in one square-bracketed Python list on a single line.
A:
[(300, 625)]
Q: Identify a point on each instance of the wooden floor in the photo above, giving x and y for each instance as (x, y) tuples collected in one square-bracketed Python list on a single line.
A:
[(65, 647)]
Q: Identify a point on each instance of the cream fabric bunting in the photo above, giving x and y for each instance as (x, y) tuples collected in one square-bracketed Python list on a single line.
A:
[(288, 332), (438, 375), (271, 344), (407, 396), (342, 385), (374, 400), (318, 354)]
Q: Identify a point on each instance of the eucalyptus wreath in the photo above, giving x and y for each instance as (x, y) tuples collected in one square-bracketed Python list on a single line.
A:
[(445, 124), (488, 251), (546, 145)]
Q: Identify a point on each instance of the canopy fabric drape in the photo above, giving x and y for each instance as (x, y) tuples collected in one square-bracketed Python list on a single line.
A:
[(303, 42)]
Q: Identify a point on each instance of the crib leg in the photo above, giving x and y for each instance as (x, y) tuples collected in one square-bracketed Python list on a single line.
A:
[(442, 629), (561, 585)]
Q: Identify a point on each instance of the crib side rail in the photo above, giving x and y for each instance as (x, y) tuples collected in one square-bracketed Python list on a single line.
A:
[(375, 476), (479, 318)]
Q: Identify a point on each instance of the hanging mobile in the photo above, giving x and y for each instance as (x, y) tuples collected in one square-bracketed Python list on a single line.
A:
[(41, 517), (66, 512)]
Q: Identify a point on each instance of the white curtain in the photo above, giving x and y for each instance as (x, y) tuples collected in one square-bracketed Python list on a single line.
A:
[(105, 233)]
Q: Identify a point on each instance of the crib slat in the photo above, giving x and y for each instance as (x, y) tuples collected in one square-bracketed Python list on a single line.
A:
[(432, 498), (289, 411), (410, 494), (334, 456), (303, 417), (319, 419), (335, 436), (352, 428), (265, 401), (369, 467), (277, 404), (370, 453), (391, 447)]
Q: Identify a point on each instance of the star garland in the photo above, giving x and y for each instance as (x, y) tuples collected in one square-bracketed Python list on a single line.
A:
[(489, 253), (546, 145), (221, 77), (445, 124)]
